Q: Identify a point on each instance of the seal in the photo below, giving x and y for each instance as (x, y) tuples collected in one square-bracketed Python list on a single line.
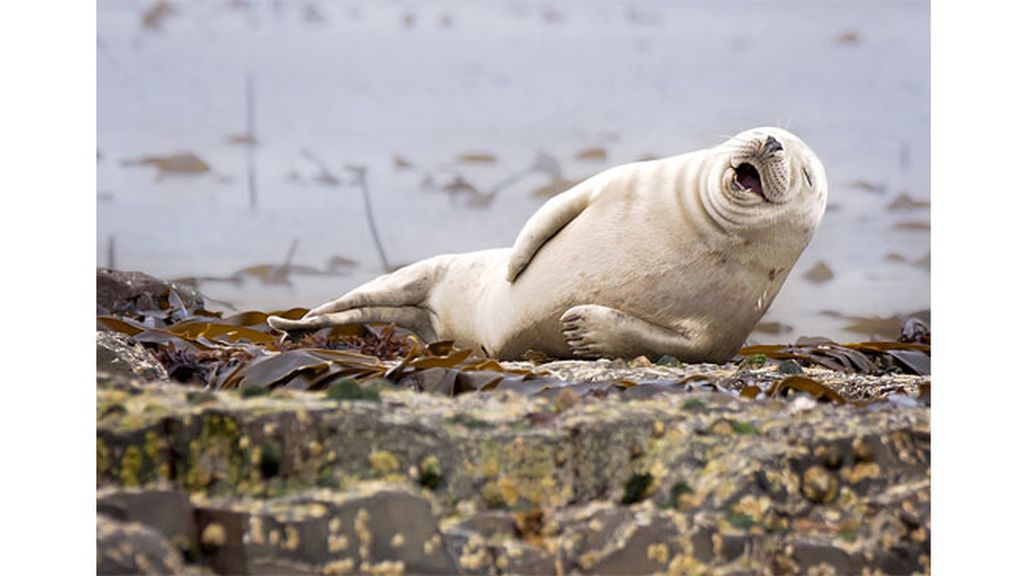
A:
[(679, 256)]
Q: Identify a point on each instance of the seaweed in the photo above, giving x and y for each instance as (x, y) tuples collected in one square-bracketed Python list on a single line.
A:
[(240, 352)]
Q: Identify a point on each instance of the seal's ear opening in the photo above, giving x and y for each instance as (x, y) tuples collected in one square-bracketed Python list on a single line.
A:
[(807, 176), (749, 178)]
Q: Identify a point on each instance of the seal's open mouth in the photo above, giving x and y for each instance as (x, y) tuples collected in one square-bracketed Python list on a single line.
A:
[(749, 179)]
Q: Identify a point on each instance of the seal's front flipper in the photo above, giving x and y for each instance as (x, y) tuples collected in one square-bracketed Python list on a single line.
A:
[(412, 317), (593, 331), (544, 224)]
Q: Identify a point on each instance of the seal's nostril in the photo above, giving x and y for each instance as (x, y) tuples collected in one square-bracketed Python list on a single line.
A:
[(772, 145)]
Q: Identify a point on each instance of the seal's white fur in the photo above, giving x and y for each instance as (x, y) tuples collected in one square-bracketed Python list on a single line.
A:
[(671, 256)]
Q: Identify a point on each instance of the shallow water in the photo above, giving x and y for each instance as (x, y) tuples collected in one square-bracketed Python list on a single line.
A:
[(325, 85)]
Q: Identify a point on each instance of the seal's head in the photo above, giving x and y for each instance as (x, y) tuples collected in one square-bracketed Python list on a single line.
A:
[(764, 177)]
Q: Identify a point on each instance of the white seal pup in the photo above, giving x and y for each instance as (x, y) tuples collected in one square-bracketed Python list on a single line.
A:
[(679, 256)]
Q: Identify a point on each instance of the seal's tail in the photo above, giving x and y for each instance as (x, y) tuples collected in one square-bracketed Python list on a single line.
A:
[(393, 298)]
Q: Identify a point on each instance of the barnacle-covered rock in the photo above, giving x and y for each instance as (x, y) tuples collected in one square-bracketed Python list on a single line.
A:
[(134, 548), (374, 527), (679, 481), (116, 354), (167, 511), (120, 292)]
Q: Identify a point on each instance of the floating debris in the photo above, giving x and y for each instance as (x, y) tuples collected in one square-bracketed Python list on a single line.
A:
[(552, 16), (478, 158), (554, 188), (905, 202), (245, 139), (773, 328), (868, 186), (821, 272), (185, 163), (593, 155), (848, 38), (924, 262), (324, 176), (312, 15), (642, 18), (337, 264), (154, 16), (888, 328), (913, 226)]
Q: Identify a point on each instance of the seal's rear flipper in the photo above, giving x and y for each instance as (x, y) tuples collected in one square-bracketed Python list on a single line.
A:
[(407, 286), (286, 325), (412, 317)]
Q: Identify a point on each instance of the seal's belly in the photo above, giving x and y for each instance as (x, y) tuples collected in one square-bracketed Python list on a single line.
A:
[(647, 276)]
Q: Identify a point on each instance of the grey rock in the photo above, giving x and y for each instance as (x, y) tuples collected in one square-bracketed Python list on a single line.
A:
[(169, 512), (132, 548), (119, 291), (116, 354), (323, 531), (294, 482)]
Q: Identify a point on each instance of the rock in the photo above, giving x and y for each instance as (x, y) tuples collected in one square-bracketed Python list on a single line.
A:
[(492, 542), (169, 512), (377, 527), (819, 485), (221, 540), (131, 548), (608, 540), (821, 556), (296, 482), (116, 354), (119, 293)]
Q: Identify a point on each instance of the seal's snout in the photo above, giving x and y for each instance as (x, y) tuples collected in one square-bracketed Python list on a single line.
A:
[(771, 145)]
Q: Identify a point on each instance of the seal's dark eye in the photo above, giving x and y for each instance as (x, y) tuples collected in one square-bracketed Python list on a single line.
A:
[(807, 177)]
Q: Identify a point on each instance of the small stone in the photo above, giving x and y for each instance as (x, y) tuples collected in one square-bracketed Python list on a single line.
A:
[(640, 362), (667, 360), (721, 427), (213, 535), (789, 367), (383, 462), (819, 485), (430, 472)]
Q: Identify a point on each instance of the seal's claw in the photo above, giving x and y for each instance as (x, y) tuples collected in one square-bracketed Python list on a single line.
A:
[(584, 352), (581, 332)]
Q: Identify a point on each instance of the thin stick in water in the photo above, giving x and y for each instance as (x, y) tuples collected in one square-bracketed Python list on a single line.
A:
[(360, 178), (250, 149), (111, 262)]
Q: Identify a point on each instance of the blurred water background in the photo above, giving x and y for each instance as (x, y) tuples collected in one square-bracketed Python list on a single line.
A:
[(238, 141)]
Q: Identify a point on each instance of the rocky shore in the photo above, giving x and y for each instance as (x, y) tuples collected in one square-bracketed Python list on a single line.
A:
[(672, 469)]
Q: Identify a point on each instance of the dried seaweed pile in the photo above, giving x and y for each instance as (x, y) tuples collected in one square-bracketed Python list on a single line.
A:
[(208, 350)]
